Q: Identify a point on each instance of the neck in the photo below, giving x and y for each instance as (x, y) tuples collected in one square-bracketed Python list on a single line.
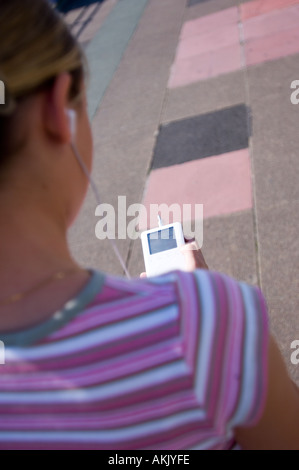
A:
[(33, 240)]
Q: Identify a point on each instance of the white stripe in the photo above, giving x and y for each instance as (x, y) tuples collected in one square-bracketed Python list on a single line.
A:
[(251, 361), (144, 429), (212, 442), (95, 338), (155, 377), (206, 335)]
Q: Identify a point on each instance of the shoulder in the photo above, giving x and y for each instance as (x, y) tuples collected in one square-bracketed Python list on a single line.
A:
[(215, 309), (214, 291)]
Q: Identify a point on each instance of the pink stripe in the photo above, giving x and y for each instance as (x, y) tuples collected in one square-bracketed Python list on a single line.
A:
[(262, 376), (271, 23), (139, 342), (104, 314), (214, 388), (264, 49), (144, 351), (207, 23), (98, 373), (190, 312), (156, 441), (214, 39), (221, 183), (259, 7), (124, 417), (136, 397), (205, 66), (233, 358)]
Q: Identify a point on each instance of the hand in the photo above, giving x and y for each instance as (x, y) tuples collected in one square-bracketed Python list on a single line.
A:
[(193, 255)]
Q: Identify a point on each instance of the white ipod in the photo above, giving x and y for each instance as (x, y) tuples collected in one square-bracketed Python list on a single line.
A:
[(161, 249)]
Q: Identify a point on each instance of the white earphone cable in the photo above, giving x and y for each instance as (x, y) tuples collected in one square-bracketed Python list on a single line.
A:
[(98, 199)]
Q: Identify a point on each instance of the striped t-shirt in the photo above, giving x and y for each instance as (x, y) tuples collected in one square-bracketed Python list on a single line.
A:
[(172, 362)]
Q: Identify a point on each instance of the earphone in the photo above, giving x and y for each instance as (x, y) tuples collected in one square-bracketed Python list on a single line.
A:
[(72, 118)]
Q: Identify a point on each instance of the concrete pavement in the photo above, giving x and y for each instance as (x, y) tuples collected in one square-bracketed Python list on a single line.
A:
[(190, 103)]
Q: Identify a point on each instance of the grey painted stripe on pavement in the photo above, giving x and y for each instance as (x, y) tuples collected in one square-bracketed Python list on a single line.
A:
[(105, 51), (206, 135)]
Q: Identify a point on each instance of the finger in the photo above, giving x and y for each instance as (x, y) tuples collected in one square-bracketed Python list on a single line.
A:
[(190, 246), (142, 275), (189, 254), (194, 257)]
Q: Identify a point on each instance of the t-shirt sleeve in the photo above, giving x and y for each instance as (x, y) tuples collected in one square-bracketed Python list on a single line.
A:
[(227, 348)]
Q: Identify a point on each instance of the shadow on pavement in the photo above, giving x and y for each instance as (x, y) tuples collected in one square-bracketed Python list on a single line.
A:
[(67, 5)]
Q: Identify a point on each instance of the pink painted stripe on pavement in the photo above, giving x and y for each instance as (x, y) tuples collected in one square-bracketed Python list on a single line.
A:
[(271, 23), (210, 45), (221, 183), (205, 66), (260, 50), (209, 23), (258, 7), (216, 38)]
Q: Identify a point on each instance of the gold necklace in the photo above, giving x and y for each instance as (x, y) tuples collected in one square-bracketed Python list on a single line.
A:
[(58, 276)]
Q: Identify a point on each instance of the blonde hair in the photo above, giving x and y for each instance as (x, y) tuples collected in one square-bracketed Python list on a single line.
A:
[(35, 47)]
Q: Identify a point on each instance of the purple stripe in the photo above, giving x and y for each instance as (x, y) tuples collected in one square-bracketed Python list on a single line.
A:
[(176, 340), (232, 360), (262, 341), (103, 315), (133, 398), (190, 313), (123, 346), (98, 373), (214, 390), (127, 417)]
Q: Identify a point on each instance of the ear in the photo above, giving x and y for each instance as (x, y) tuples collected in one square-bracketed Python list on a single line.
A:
[(56, 120)]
